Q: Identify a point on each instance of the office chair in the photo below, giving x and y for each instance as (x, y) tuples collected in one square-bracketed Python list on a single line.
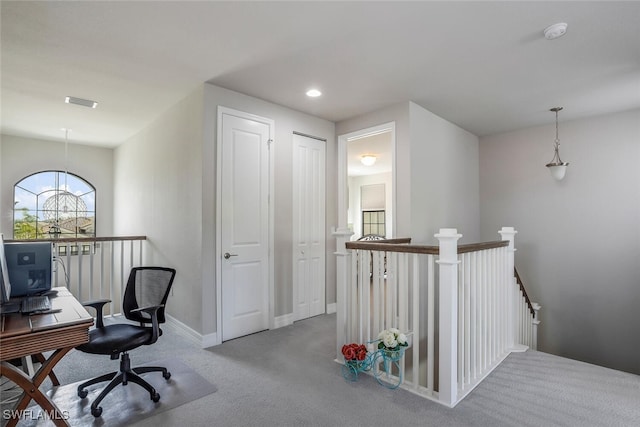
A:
[(144, 299)]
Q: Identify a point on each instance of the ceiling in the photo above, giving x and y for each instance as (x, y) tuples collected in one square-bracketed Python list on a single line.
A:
[(484, 66)]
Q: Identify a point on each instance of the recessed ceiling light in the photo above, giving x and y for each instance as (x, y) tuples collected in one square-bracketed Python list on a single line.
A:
[(556, 30), (313, 93), (80, 101)]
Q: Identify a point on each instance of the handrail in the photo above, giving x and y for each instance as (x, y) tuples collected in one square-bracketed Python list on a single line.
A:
[(474, 247), (396, 245), (524, 292), (80, 239)]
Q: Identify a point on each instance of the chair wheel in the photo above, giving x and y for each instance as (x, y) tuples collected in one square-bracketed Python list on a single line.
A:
[(96, 412), (155, 396), (166, 375), (82, 394)]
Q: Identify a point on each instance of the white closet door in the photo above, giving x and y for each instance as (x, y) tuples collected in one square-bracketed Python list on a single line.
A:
[(308, 227)]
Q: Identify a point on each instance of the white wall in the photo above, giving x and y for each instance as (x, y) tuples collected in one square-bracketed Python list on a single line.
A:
[(286, 122), (445, 178), (20, 157), (578, 239), (158, 187)]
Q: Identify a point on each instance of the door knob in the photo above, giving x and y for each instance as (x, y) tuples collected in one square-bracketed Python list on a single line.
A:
[(227, 255)]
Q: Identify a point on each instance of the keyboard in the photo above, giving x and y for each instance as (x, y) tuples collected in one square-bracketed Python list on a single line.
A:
[(35, 303)]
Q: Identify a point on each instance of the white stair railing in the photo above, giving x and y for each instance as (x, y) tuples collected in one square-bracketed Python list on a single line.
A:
[(483, 314)]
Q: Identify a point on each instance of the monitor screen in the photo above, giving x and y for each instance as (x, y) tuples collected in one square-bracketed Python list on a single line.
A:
[(5, 288), (29, 265)]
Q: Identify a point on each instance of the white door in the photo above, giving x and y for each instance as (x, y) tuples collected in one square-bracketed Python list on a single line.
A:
[(244, 222), (308, 227)]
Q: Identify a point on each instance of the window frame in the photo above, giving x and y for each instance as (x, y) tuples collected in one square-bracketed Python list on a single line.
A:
[(40, 210), (377, 223)]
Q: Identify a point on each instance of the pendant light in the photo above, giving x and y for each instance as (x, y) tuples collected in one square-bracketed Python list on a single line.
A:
[(557, 167)]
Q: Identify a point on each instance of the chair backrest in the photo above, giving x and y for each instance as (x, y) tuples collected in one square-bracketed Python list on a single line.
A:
[(147, 286)]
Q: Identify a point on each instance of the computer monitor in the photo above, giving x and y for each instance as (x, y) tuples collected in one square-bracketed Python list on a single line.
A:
[(29, 265), (5, 288)]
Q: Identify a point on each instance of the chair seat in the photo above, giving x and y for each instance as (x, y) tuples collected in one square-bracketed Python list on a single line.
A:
[(117, 338)]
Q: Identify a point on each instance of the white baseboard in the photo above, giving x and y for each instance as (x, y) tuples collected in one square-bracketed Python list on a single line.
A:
[(210, 340), (332, 308), (187, 332), (284, 320)]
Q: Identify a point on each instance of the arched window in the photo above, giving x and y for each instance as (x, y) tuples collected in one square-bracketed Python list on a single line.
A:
[(53, 204)]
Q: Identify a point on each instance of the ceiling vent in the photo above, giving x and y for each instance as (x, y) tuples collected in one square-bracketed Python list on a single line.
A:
[(80, 101)]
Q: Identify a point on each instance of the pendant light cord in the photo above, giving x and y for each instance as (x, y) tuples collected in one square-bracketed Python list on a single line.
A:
[(66, 157)]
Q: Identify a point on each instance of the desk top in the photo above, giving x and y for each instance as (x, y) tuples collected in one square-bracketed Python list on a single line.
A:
[(21, 334)]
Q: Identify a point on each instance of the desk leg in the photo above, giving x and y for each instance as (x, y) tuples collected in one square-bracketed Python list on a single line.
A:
[(52, 376), (32, 390)]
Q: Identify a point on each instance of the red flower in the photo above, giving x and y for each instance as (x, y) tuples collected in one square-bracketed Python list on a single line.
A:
[(354, 351), (350, 353)]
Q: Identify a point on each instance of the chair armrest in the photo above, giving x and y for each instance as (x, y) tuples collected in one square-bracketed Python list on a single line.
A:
[(98, 306), (153, 312)]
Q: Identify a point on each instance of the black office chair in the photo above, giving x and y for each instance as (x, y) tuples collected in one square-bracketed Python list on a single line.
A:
[(144, 299)]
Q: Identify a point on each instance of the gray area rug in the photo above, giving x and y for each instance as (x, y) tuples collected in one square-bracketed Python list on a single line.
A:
[(125, 405)]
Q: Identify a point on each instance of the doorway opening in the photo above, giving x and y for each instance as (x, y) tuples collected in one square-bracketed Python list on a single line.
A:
[(369, 191)]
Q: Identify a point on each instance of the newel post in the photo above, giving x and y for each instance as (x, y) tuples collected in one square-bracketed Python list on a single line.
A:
[(509, 233), (535, 322), (343, 265), (448, 315)]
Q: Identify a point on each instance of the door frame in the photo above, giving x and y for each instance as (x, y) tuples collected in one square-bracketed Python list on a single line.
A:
[(343, 172), (218, 253)]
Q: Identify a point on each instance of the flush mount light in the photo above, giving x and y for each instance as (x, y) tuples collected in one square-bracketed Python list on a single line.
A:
[(556, 30), (368, 159), (313, 93), (80, 101)]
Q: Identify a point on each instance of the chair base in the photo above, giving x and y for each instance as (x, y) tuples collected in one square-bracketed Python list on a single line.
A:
[(123, 377)]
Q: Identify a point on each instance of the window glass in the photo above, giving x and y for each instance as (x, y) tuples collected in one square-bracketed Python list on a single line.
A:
[(373, 222), (53, 204)]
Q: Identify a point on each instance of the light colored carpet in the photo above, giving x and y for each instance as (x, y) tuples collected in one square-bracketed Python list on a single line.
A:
[(288, 377)]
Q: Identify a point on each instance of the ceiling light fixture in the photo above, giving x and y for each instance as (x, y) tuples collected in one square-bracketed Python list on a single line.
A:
[(556, 30), (368, 159), (313, 93), (557, 167), (80, 101)]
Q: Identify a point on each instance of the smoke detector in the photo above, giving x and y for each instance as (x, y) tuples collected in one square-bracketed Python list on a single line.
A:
[(556, 30)]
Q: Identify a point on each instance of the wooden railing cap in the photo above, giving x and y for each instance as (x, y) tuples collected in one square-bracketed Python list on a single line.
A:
[(80, 239)]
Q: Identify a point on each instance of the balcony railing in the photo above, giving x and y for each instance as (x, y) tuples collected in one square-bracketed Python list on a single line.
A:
[(95, 267), (461, 304)]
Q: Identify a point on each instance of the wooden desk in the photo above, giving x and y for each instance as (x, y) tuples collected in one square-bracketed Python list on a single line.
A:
[(27, 335)]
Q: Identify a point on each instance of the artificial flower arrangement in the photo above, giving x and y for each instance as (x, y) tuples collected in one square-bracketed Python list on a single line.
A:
[(393, 342)]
